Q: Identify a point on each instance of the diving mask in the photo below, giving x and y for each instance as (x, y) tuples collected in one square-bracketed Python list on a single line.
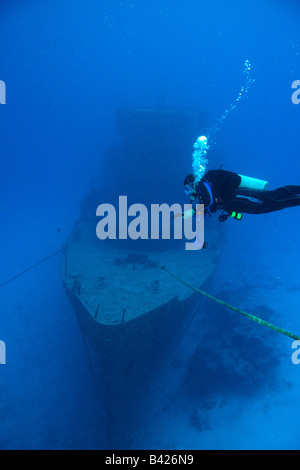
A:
[(189, 189)]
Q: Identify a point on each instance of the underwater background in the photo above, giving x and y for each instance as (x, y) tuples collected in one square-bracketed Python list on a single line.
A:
[(68, 66)]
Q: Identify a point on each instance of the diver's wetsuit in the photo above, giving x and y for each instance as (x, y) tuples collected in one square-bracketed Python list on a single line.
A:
[(227, 195)]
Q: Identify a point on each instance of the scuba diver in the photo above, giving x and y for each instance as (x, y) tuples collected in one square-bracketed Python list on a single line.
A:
[(235, 194)]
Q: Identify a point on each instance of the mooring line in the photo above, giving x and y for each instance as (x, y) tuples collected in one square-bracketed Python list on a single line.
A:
[(258, 320), (31, 267)]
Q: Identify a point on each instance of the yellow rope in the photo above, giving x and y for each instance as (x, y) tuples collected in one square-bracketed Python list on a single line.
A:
[(231, 307)]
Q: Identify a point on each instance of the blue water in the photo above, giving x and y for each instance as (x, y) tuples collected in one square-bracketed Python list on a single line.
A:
[(67, 67)]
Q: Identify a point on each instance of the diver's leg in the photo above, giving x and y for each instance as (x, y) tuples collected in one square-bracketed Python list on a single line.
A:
[(262, 202), (248, 202), (287, 196), (278, 199), (287, 192)]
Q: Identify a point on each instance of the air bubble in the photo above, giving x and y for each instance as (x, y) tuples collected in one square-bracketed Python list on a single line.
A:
[(201, 145)]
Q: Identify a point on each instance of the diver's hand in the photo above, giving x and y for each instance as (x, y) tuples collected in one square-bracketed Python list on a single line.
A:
[(223, 217), (178, 214), (184, 215)]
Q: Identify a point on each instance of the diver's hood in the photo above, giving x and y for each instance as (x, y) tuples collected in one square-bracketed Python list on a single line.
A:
[(205, 194)]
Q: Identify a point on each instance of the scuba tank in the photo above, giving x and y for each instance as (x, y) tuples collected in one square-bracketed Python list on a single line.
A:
[(253, 183)]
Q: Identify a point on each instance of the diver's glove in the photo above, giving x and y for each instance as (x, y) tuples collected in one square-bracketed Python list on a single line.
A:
[(185, 214), (223, 217)]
